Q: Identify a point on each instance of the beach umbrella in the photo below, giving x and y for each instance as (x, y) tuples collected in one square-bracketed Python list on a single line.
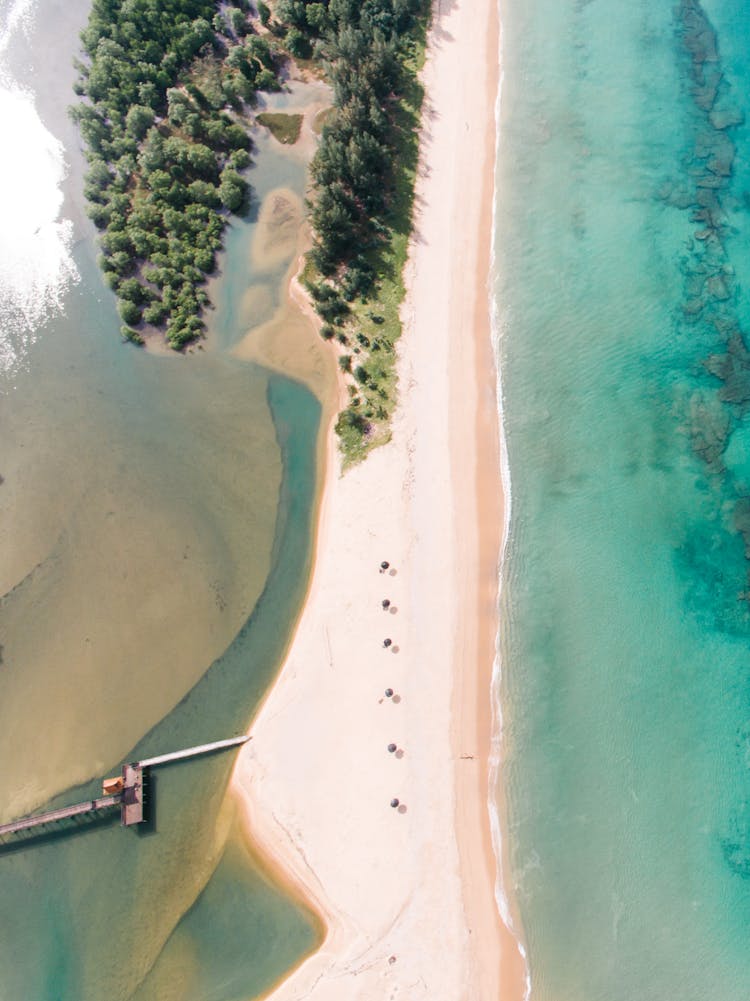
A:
[(384, 566), (388, 692), (391, 748), (386, 603), (387, 642), (394, 803)]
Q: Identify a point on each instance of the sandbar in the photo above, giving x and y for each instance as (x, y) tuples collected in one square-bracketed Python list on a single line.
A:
[(407, 894)]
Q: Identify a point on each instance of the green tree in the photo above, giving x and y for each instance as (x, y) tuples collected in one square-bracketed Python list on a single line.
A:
[(266, 80), (128, 334), (316, 16), (99, 214), (205, 260), (204, 193), (179, 106), (159, 181), (238, 22), (258, 48), (233, 190), (201, 160), (239, 159), (292, 12), (148, 95), (155, 313), (298, 44), (132, 290), (238, 59), (152, 156), (99, 175), (235, 137), (139, 120), (143, 240), (129, 311)]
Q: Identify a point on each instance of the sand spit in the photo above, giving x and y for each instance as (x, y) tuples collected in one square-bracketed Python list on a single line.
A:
[(406, 891)]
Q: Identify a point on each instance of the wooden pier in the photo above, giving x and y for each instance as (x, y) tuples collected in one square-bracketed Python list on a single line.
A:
[(193, 752), (52, 816), (130, 799), (131, 811)]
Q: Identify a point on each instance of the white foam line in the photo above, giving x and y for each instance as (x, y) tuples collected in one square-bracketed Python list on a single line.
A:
[(501, 895), (36, 264)]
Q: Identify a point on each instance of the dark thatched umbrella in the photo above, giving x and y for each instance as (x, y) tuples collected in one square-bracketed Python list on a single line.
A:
[(394, 803), (387, 642), (391, 748)]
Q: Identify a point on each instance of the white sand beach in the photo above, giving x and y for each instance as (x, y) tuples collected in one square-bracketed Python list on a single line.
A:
[(407, 893)]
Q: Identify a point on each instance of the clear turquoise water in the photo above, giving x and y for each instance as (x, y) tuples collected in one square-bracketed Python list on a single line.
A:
[(625, 622)]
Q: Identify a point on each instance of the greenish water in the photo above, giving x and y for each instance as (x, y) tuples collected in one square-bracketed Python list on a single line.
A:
[(101, 893), (155, 534), (236, 310), (622, 292)]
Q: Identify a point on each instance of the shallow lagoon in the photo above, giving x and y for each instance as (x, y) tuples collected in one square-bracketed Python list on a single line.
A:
[(156, 526)]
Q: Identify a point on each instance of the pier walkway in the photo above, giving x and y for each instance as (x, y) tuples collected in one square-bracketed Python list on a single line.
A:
[(51, 816), (129, 798), (192, 752)]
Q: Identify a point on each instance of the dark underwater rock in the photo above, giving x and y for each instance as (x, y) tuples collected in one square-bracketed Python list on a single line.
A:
[(706, 91), (733, 368), (726, 118), (722, 155), (709, 428), (717, 288), (710, 181)]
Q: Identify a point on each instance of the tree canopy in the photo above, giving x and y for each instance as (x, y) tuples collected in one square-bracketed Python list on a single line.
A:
[(165, 85), (362, 189), (362, 44)]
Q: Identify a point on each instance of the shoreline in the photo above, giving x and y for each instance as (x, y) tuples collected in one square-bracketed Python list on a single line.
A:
[(476, 718), (407, 896)]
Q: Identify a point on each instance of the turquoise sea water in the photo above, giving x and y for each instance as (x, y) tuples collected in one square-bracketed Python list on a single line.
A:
[(623, 265)]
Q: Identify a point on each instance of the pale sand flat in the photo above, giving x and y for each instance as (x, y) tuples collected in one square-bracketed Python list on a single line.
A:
[(316, 782)]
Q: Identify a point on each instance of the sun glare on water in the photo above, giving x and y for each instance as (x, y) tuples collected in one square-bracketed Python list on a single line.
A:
[(35, 243)]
